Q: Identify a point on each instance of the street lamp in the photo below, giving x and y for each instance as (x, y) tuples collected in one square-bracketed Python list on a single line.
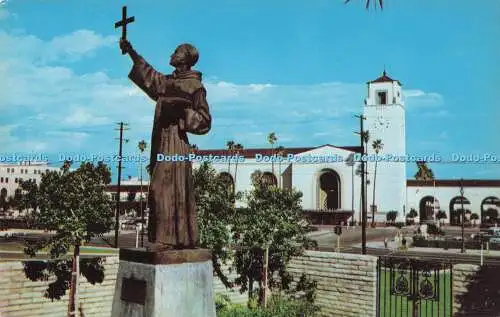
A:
[(463, 214)]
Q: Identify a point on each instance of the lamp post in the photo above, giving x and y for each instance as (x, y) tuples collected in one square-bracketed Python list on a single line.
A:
[(463, 214)]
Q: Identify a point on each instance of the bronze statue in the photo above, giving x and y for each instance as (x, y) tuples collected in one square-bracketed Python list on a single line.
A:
[(181, 108)]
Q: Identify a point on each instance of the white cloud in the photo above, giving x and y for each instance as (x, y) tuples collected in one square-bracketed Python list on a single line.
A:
[(67, 48), (66, 111), (82, 116), (415, 98), (437, 114)]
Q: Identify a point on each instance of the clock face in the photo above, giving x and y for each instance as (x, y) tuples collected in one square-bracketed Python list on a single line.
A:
[(380, 124)]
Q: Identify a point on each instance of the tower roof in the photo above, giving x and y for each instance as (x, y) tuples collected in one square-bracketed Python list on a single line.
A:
[(384, 79)]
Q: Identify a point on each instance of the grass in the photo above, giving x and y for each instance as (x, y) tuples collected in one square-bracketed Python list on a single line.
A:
[(401, 306)]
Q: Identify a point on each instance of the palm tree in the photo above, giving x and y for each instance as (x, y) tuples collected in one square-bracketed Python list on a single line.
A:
[(377, 146), (237, 149), (474, 217), (380, 2), (424, 173), (441, 215), (271, 139), (280, 152), (230, 149), (350, 162)]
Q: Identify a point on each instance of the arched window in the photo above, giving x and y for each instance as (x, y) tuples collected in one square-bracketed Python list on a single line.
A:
[(490, 209), (428, 208), (456, 209), (329, 190)]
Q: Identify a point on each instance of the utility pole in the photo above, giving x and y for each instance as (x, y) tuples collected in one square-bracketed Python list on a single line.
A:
[(463, 214), (363, 198), (118, 190)]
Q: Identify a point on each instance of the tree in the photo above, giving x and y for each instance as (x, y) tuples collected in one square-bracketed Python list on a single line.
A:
[(76, 206), (350, 162), (380, 2), (424, 173), (280, 152), (391, 216), (441, 215), (237, 150), (412, 215), (377, 146), (230, 149), (274, 220), (215, 215), (474, 217), (271, 139)]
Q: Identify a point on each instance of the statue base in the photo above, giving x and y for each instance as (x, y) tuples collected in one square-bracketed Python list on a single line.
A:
[(164, 283)]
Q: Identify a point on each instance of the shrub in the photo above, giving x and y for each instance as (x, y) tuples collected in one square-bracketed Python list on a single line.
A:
[(433, 229), (278, 306), (391, 216)]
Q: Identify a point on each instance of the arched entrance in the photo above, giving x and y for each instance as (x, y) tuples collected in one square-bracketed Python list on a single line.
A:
[(456, 210), (490, 209), (227, 179), (428, 208), (329, 190), (269, 179)]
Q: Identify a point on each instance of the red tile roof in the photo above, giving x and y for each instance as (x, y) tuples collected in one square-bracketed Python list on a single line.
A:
[(384, 79), (454, 183), (250, 153), (409, 183)]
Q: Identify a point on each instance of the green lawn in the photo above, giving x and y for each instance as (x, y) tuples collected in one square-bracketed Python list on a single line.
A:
[(401, 306)]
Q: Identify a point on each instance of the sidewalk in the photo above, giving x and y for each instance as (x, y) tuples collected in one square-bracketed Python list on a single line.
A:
[(380, 245)]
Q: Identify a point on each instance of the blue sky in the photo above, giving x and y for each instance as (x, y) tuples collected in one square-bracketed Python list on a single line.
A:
[(297, 68)]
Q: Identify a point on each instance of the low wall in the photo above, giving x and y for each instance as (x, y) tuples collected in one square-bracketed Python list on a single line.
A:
[(20, 297), (346, 287), (347, 283)]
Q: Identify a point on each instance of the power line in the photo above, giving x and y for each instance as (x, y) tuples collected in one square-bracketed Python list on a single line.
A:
[(363, 139), (122, 127)]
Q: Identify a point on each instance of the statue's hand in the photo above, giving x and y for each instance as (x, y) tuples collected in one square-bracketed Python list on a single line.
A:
[(126, 46)]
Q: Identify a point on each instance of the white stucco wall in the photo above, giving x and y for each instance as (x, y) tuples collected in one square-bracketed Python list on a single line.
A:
[(444, 195), (387, 123), (21, 171)]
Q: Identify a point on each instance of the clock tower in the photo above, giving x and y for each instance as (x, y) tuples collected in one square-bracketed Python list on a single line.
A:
[(385, 120)]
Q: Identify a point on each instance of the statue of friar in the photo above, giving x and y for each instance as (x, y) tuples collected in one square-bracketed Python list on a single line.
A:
[(181, 108)]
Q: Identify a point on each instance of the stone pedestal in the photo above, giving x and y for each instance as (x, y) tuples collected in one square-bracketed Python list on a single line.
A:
[(164, 284)]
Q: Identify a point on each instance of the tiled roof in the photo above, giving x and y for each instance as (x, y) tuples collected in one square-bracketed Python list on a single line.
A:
[(454, 183), (384, 79), (409, 183), (250, 153)]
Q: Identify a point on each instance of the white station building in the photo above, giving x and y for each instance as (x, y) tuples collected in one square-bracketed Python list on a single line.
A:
[(329, 182)]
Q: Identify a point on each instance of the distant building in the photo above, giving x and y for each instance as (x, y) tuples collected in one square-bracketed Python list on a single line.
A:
[(330, 182), (12, 174)]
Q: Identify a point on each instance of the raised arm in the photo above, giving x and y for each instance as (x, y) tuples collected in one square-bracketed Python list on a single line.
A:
[(144, 75), (198, 119)]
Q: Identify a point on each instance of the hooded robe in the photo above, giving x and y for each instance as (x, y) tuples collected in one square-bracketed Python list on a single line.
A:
[(181, 107)]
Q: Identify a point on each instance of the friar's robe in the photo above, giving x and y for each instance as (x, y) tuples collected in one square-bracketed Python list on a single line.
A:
[(181, 107)]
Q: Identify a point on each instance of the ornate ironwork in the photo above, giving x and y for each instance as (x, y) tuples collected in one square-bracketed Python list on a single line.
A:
[(413, 283)]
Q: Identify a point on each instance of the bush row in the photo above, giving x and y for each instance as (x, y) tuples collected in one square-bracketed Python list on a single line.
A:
[(450, 244)]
